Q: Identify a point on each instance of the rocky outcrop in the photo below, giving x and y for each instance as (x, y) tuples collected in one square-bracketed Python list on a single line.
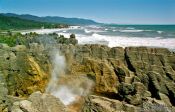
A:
[(38, 102), (23, 71), (131, 74), (125, 79), (102, 104)]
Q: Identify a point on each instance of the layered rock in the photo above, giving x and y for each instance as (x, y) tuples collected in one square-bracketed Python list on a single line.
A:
[(23, 71), (141, 72), (125, 78)]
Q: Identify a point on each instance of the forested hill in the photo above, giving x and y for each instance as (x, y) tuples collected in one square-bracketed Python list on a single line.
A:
[(54, 19), (15, 23)]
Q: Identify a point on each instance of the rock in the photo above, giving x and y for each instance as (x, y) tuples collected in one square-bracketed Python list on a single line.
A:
[(3, 98), (153, 105), (46, 103), (120, 73), (156, 84), (15, 107), (165, 99), (134, 100), (101, 104), (106, 80), (22, 72), (19, 48), (72, 40), (126, 89), (26, 106), (130, 108), (38, 102), (4, 46), (129, 75)]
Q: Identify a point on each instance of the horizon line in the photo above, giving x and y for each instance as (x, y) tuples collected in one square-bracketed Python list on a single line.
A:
[(90, 19)]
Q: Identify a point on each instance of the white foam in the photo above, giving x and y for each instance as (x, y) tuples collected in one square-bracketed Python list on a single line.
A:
[(87, 31), (45, 31), (93, 27), (114, 41), (74, 27), (160, 32), (131, 30)]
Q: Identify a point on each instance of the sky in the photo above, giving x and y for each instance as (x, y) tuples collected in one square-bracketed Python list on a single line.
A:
[(106, 11)]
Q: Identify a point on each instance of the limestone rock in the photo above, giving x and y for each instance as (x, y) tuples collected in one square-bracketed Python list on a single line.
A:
[(106, 80), (22, 72), (38, 102), (101, 104)]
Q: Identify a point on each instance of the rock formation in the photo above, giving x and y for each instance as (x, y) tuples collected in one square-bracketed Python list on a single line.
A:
[(127, 79)]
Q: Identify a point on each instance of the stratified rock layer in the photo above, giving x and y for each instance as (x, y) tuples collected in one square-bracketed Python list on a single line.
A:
[(131, 75), (125, 78)]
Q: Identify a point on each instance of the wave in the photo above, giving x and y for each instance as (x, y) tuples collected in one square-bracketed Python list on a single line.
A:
[(160, 32), (93, 26), (74, 27), (44, 31), (131, 30), (87, 31), (114, 41), (93, 31)]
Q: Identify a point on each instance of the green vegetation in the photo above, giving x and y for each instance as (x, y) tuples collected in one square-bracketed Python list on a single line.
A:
[(12, 39), (14, 23), (54, 19), (9, 26)]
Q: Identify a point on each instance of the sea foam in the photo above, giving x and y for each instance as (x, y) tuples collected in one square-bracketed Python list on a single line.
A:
[(114, 41)]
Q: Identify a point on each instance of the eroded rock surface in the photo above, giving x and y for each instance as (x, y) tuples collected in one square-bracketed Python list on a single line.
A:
[(125, 79), (38, 102)]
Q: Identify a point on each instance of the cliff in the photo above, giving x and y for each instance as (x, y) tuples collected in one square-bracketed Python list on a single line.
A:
[(126, 79)]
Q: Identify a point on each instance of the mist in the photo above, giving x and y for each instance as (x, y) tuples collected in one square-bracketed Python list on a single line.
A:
[(68, 88)]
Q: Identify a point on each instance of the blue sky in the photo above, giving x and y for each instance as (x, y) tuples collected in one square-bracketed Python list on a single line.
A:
[(108, 11)]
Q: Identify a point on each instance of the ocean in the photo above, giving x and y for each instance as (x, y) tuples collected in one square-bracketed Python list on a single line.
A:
[(121, 35)]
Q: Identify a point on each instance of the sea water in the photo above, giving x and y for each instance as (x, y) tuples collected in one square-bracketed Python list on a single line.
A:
[(121, 35)]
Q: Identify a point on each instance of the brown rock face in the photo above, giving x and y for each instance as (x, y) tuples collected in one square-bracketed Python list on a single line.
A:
[(23, 71), (102, 104), (125, 79), (105, 77), (130, 74)]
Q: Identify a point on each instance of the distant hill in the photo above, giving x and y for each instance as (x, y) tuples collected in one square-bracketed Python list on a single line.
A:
[(7, 23), (54, 19)]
